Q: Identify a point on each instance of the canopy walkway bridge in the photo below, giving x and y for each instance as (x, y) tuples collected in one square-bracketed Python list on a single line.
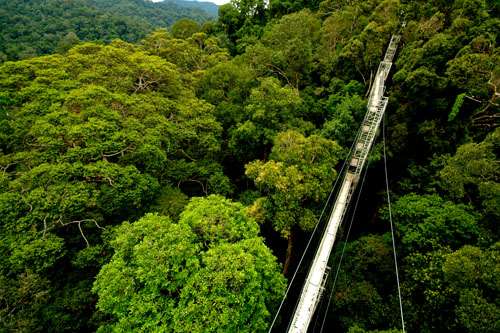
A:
[(314, 284)]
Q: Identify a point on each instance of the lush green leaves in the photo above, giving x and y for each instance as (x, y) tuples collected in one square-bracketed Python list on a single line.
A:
[(295, 174), (215, 219), (40, 27), (107, 133), (234, 291), (207, 273), (428, 222), (153, 259), (474, 170)]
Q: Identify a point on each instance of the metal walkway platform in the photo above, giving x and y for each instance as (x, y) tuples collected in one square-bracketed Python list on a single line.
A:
[(316, 278)]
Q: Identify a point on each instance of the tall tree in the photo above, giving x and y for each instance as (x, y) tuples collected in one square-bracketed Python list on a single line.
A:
[(293, 182), (209, 272)]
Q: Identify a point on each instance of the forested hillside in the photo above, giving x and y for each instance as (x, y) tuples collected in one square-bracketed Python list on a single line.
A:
[(170, 184), (207, 6), (36, 27)]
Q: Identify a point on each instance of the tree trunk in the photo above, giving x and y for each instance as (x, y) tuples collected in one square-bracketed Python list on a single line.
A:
[(289, 251)]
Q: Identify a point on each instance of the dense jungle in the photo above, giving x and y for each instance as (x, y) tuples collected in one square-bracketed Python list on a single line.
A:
[(162, 172)]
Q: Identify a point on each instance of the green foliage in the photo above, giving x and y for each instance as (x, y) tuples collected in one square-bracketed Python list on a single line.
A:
[(234, 291), (153, 258), (104, 133), (476, 314), (345, 118), (357, 329), (465, 282), (473, 173), (282, 7), (93, 135), (194, 53), (19, 298), (184, 28), (227, 86), (67, 42), (269, 109), (429, 222), (41, 27), (286, 48), (471, 267), (363, 282), (170, 202), (208, 273), (215, 219), (473, 73), (295, 174), (459, 101)]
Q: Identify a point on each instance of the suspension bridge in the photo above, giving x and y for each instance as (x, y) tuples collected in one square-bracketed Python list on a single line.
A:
[(315, 281)]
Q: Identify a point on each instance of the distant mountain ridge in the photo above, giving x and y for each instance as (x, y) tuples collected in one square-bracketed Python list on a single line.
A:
[(207, 6), (152, 11), (36, 27)]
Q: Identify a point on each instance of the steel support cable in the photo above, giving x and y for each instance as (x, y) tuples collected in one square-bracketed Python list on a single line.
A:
[(313, 232), (344, 246), (392, 226)]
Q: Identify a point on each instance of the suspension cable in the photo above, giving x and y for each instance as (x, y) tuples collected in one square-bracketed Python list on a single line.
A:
[(392, 236), (343, 247), (312, 234), (392, 226)]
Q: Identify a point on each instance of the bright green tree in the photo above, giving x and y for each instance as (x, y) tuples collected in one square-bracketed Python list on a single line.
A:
[(293, 181), (208, 273)]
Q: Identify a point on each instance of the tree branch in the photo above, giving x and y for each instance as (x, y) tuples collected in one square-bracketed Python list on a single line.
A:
[(79, 224), (118, 152), (194, 181)]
